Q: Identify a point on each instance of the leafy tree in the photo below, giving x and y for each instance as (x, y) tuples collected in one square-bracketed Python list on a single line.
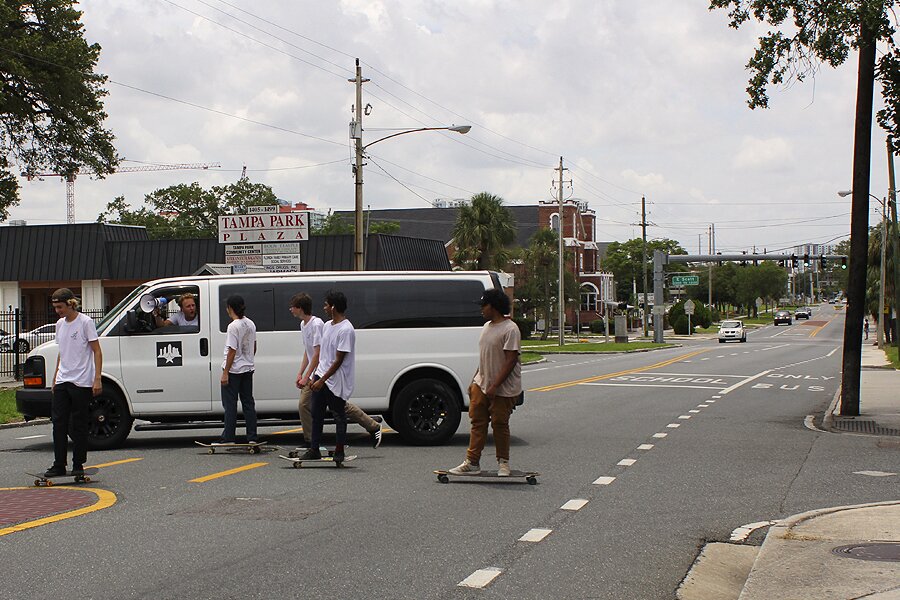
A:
[(51, 109), (188, 211), (538, 289), (625, 260), (484, 228)]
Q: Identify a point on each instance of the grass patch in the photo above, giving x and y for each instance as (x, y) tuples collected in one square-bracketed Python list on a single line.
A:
[(8, 412), (595, 347), (891, 353), (530, 357)]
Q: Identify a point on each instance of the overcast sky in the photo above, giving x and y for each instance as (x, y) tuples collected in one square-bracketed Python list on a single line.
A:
[(638, 97)]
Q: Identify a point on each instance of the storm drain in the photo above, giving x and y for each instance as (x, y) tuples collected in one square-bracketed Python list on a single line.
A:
[(863, 426), (880, 551)]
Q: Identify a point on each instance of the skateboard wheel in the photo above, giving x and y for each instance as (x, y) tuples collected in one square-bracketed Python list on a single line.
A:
[(211, 451), (297, 465), (48, 483), (531, 480), (254, 450), (293, 454), (443, 479), (37, 483)]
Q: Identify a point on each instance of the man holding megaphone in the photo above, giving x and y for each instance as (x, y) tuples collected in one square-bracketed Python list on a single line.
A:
[(186, 318)]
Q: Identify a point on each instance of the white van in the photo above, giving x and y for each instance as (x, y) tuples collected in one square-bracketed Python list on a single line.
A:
[(416, 352)]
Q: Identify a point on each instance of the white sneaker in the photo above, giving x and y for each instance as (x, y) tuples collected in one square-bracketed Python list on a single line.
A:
[(502, 468), (466, 468)]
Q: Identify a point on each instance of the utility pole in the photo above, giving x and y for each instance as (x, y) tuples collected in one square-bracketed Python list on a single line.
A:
[(859, 217), (892, 200), (356, 132), (561, 298), (644, 259), (709, 279)]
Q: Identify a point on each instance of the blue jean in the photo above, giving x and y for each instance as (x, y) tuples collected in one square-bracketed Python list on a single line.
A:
[(320, 400), (239, 385)]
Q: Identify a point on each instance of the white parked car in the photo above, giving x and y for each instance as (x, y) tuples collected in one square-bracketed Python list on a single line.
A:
[(26, 341), (732, 330)]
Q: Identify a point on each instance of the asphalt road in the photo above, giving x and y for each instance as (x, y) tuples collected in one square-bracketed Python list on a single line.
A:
[(735, 451)]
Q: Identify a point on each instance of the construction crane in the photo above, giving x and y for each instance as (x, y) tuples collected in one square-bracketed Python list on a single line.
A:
[(70, 178)]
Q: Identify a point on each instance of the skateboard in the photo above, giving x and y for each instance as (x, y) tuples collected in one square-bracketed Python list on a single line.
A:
[(251, 447), (298, 462), (322, 449), (530, 476), (43, 481)]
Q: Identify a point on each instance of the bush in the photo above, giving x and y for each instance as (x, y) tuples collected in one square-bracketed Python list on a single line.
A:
[(715, 316), (680, 324), (526, 327), (597, 326)]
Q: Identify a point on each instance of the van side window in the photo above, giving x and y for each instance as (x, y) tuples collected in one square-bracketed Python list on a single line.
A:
[(259, 300), (404, 304), (167, 317), (284, 320)]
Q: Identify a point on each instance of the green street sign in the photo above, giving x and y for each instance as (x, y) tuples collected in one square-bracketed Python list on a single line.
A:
[(683, 280)]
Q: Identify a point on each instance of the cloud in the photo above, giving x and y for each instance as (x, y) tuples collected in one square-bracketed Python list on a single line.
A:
[(755, 154)]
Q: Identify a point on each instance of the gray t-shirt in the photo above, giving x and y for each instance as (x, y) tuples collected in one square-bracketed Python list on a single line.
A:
[(496, 338), (178, 319)]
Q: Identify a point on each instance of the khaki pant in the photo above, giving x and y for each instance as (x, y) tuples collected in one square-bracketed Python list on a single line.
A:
[(482, 410), (353, 412)]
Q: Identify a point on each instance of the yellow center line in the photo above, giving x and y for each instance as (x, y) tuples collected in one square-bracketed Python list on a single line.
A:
[(105, 499), (111, 464), (558, 386), (820, 328), (298, 430), (206, 478)]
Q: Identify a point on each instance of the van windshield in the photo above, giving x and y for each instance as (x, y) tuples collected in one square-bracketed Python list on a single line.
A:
[(127, 301)]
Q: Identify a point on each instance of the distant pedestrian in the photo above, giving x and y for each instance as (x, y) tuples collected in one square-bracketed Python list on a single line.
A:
[(866, 328), (237, 371), (496, 386), (75, 381)]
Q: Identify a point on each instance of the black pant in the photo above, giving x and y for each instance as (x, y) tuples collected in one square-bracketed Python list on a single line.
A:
[(239, 385), (70, 413), (320, 400)]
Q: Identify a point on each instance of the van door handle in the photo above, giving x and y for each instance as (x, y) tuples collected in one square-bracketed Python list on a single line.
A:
[(204, 347)]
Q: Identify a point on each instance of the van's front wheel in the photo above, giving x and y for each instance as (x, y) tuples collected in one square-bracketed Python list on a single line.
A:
[(110, 421), (426, 412)]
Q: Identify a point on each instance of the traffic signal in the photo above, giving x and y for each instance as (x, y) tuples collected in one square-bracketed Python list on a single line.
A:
[(823, 261), (806, 260), (843, 262)]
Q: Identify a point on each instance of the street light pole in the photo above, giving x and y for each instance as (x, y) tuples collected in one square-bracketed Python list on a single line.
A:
[(356, 131)]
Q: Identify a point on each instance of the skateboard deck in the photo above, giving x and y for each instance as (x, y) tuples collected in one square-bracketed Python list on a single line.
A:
[(298, 451), (530, 476), (43, 481), (252, 447), (298, 462)]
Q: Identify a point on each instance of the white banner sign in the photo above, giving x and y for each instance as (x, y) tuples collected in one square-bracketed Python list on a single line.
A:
[(281, 248), (243, 259), (272, 227), (242, 249), (280, 259), (282, 268)]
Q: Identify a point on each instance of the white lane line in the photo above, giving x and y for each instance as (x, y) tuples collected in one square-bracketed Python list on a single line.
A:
[(645, 447), (480, 578), (743, 532), (703, 406), (746, 381), (626, 462), (648, 385), (576, 504), (874, 473), (535, 535), (707, 358), (717, 396), (684, 417), (32, 437), (694, 411), (660, 435), (710, 401), (691, 374), (604, 480), (833, 351), (722, 356), (673, 425)]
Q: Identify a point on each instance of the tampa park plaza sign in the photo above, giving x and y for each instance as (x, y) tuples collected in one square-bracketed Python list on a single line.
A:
[(266, 227)]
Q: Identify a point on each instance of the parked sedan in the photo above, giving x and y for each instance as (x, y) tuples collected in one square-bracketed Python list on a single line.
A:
[(782, 316), (804, 312), (28, 340), (732, 330)]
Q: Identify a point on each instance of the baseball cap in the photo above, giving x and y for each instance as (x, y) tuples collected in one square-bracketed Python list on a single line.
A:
[(62, 295)]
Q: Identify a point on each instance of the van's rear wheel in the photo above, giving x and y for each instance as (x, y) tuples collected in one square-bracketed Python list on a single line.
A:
[(426, 412), (110, 421)]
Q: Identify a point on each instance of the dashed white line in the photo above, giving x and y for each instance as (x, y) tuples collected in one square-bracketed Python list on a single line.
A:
[(660, 435), (645, 447), (874, 473), (717, 396), (693, 410), (480, 578), (626, 462), (710, 401), (685, 417), (31, 437), (703, 406), (604, 480), (673, 425), (535, 535), (576, 504)]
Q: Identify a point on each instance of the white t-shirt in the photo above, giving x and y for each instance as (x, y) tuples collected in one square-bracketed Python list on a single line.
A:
[(178, 319), (241, 337), (76, 359), (312, 336), (338, 337)]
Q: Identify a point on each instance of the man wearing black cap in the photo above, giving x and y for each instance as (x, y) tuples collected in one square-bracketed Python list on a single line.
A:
[(496, 385), (75, 381)]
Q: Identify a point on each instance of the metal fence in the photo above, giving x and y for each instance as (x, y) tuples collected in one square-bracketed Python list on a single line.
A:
[(22, 331)]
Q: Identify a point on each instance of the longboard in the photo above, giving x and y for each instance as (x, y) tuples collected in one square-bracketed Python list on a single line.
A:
[(251, 447), (298, 462), (43, 481), (530, 476), (298, 451)]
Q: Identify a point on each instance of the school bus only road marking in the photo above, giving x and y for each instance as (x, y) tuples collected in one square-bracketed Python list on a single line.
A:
[(212, 476), (559, 386)]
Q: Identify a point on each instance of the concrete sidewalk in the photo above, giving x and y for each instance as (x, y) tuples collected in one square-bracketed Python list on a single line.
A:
[(843, 552)]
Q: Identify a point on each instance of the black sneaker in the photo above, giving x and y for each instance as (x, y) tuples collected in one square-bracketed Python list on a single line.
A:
[(376, 435), (338, 456), (77, 471), (55, 471), (311, 454)]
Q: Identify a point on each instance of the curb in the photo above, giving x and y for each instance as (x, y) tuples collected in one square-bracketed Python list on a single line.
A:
[(17, 424), (791, 521)]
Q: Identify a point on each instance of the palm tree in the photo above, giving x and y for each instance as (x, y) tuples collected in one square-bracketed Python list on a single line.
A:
[(484, 227)]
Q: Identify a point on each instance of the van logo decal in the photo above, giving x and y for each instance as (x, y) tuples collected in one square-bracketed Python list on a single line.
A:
[(168, 354)]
